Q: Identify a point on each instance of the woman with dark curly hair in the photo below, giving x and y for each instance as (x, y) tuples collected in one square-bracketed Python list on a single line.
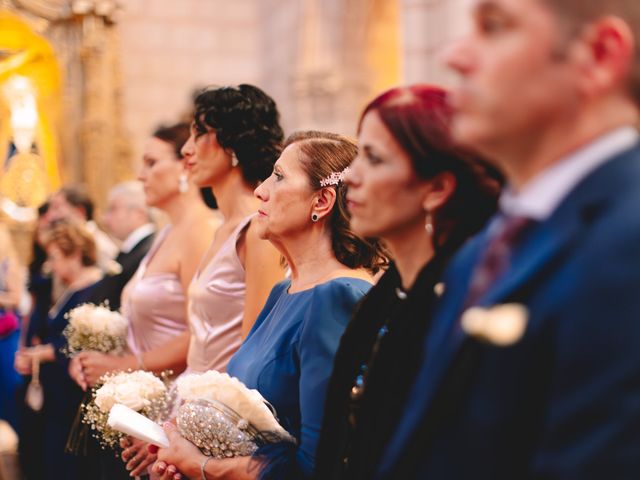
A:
[(423, 197), (235, 140), (288, 355)]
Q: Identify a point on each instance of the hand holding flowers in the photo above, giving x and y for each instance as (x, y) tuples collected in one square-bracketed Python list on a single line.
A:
[(141, 391)]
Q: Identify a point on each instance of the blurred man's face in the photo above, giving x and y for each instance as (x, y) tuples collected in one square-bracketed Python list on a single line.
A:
[(120, 218), (516, 75), (61, 209)]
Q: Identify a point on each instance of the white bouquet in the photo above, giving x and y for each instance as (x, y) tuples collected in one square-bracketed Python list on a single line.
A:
[(140, 391), (93, 327), (223, 417)]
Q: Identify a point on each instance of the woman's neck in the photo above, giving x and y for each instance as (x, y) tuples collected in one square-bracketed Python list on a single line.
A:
[(235, 197), (83, 276), (312, 260), (410, 251), (184, 204)]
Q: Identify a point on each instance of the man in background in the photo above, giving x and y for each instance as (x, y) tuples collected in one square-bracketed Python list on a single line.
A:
[(127, 218)]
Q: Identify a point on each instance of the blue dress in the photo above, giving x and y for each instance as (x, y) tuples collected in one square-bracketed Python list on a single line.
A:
[(288, 357), (43, 434)]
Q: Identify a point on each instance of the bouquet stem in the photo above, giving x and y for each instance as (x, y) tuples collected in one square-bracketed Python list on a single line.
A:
[(78, 440)]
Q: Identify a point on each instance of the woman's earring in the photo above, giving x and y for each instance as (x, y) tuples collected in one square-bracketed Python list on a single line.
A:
[(314, 217), (183, 183), (428, 224), (234, 160)]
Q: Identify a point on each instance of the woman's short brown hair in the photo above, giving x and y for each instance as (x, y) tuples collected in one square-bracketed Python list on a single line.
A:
[(322, 154), (71, 238)]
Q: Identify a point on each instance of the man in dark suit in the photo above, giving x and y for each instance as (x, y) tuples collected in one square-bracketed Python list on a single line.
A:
[(541, 380), (127, 219)]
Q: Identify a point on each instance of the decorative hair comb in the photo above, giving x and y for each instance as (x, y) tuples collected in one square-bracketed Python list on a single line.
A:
[(334, 179)]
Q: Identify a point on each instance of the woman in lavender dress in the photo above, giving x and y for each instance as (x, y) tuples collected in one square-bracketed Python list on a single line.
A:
[(154, 301)]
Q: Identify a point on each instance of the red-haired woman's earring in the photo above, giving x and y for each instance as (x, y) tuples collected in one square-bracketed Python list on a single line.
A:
[(428, 224), (314, 217)]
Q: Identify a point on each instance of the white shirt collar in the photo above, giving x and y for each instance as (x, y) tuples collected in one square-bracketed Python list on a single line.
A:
[(540, 197), (134, 237)]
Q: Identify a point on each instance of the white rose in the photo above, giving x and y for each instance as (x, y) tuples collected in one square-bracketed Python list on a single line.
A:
[(129, 395), (105, 397)]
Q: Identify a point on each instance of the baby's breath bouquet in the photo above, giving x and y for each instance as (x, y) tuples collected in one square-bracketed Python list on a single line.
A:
[(95, 327), (139, 390), (91, 328), (224, 418)]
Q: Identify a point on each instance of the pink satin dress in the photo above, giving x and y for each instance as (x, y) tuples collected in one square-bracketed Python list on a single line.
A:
[(216, 307), (156, 304)]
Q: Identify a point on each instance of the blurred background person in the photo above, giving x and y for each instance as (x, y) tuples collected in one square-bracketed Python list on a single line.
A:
[(73, 202), (71, 253), (423, 198), (40, 283), (289, 353), (127, 218), (12, 288)]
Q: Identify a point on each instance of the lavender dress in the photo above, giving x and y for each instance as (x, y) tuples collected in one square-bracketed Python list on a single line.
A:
[(216, 307), (156, 305)]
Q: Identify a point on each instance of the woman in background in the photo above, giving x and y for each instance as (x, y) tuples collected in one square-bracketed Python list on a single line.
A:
[(71, 253), (12, 288), (155, 300), (410, 187), (288, 355)]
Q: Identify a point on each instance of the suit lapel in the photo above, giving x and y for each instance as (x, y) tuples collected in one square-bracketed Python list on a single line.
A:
[(540, 250)]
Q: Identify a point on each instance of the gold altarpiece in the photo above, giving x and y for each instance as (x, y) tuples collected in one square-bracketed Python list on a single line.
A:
[(67, 52)]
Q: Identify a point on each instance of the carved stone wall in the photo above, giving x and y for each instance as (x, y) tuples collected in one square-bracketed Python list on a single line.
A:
[(427, 26), (171, 48), (326, 58)]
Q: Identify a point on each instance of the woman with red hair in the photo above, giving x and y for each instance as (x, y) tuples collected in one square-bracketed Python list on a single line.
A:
[(411, 188)]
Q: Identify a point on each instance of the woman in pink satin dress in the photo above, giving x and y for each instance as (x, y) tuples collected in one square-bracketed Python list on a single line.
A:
[(155, 299)]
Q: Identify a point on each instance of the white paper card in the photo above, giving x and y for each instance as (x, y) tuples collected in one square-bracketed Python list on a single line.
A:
[(128, 421)]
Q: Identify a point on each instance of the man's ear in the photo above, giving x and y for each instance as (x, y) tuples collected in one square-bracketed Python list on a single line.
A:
[(438, 190), (605, 55), (323, 201)]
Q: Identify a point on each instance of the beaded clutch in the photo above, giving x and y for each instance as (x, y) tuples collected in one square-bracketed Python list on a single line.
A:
[(217, 430)]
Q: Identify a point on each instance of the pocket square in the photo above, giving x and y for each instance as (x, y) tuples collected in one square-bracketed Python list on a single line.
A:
[(501, 325)]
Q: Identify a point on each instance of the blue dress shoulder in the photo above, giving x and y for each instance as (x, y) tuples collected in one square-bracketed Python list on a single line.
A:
[(288, 357)]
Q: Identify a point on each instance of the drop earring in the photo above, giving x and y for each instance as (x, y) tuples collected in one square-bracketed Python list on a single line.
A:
[(183, 183), (234, 160), (428, 224), (314, 217)]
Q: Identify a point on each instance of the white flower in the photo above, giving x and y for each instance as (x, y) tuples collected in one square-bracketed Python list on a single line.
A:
[(105, 397), (220, 387), (501, 325), (90, 318), (136, 390), (96, 328), (131, 396)]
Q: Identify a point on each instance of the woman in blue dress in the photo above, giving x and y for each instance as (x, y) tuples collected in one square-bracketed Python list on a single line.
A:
[(288, 355)]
